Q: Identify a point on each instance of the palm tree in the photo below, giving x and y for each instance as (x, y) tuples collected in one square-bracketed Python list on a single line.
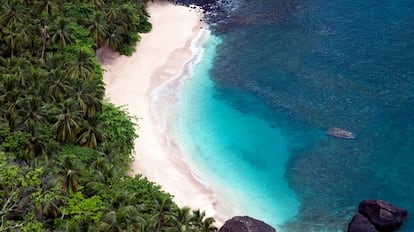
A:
[(98, 4), (182, 219), (118, 26), (83, 66), (48, 208), (67, 127), (98, 28), (203, 224), (123, 214), (31, 112), (38, 82), (99, 178), (88, 94), (47, 7), (59, 87), (116, 165), (59, 84), (10, 98), (114, 40), (114, 14), (62, 32), (54, 62), (8, 91), (39, 144), (207, 225), (69, 172), (12, 12), (161, 214), (91, 135), (19, 67), (15, 37)]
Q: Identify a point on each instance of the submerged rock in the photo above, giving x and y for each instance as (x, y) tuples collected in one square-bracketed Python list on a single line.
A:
[(377, 216), (245, 224), (384, 216), (359, 223)]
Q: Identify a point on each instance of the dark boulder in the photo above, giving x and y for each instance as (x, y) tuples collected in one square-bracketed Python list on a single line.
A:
[(384, 216), (359, 223), (245, 224)]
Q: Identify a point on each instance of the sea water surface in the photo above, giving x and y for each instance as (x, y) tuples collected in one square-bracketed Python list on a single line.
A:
[(251, 115)]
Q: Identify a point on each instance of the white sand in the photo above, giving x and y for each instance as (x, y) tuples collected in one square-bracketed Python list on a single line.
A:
[(160, 56)]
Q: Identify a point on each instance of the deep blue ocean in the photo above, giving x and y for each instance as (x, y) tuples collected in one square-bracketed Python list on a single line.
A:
[(273, 77)]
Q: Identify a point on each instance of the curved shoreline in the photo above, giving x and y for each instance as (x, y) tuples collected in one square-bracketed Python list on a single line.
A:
[(162, 55)]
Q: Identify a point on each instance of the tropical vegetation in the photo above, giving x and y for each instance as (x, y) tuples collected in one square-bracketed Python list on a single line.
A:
[(64, 151)]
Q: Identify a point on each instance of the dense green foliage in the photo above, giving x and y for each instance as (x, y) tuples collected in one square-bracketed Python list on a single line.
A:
[(64, 152)]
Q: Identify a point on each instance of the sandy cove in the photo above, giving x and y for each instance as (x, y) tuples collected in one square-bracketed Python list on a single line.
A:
[(160, 56)]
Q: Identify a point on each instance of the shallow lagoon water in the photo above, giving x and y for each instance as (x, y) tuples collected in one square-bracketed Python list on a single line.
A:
[(239, 155)]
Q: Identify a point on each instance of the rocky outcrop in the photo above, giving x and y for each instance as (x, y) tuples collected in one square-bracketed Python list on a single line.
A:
[(383, 215), (360, 223), (214, 10), (245, 224), (377, 216)]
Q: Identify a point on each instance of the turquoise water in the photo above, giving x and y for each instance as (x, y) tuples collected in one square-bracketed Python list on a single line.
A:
[(242, 155), (274, 77)]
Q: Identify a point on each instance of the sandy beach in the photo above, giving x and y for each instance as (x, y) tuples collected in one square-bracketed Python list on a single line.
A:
[(159, 57)]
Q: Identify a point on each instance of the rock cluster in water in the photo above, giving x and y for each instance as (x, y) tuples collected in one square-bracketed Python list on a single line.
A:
[(377, 216), (214, 10), (245, 224)]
